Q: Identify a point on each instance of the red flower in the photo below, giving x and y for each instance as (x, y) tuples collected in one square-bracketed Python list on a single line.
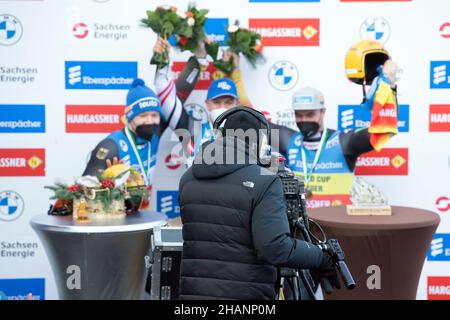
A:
[(144, 204), (108, 184), (183, 41), (189, 14), (73, 188), (259, 48), (173, 8)]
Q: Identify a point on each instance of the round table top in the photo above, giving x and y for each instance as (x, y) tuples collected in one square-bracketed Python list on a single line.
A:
[(401, 218), (140, 221)]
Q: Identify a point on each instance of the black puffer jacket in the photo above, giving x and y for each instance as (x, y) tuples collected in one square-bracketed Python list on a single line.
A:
[(235, 229)]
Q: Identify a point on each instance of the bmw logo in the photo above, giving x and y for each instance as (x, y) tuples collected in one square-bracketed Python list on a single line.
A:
[(197, 112), (11, 205), (10, 30), (283, 75), (375, 28)]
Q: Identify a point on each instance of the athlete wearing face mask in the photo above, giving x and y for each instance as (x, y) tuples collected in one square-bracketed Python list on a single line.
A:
[(137, 143), (222, 95), (324, 157)]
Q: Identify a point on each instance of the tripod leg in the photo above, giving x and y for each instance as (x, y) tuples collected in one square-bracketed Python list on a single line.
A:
[(304, 277), (280, 294)]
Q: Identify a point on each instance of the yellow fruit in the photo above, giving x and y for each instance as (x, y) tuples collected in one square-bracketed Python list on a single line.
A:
[(135, 179), (114, 171)]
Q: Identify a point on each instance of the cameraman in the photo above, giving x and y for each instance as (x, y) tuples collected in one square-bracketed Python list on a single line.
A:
[(235, 228)]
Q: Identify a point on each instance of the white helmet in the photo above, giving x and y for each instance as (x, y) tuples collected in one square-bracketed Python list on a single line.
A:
[(308, 99)]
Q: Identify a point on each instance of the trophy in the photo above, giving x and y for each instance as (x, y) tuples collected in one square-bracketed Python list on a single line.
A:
[(367, 200)]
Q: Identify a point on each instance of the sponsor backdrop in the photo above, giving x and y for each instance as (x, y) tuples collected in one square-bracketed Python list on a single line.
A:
[(66, 65)]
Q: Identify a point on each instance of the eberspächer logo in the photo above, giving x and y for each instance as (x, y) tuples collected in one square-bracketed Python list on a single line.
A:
[(440, 74), (439, 248), (100, 74)]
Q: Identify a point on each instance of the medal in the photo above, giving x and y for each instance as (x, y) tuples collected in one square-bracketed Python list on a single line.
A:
[(144, 171), (307, 176)]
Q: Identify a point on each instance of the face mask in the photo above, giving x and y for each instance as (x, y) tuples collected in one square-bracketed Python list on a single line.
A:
[(308, 128), (147, 131), (214, 114)]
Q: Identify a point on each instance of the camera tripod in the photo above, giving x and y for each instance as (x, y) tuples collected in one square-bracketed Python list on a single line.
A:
[(297, 284)]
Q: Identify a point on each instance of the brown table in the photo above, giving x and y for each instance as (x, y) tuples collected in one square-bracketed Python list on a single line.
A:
[(397, 244)]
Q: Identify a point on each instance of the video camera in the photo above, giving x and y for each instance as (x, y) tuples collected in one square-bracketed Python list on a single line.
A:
[(295, 200)]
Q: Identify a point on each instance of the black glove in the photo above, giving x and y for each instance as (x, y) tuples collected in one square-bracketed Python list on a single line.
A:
[(326, 274)]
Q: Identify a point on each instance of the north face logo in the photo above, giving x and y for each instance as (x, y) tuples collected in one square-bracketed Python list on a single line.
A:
[(248, 184), (223, 85)]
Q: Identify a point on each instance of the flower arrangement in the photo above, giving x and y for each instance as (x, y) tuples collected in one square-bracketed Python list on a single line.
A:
[(186, 28), (167, 21), (241, 40), (196, 20), (118, 186)]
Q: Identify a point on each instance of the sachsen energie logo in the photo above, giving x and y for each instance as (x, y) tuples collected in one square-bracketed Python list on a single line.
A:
[(173, 161), (22, 162), (443, 204), (80, 30), (20, 118), (287, 32), (444, 30), (100, 75), (355, 117), (389, 161), (94, 118)]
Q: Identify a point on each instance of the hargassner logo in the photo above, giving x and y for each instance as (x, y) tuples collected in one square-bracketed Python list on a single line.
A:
[(438, 288), (287, 32), (439, 120), (100, 74)]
